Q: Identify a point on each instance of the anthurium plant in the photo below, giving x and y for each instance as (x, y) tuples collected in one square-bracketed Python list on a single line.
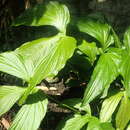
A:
[(45, 57)]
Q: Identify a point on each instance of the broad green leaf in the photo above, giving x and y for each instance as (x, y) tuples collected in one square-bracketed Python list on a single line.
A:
[(123, 114), (125, 72), (116, 39), (128, 128), (106, 126), (31, 114), (104, 73), (97, 29), (9, 96), (53, 13), (76, 102), (13, 63), (127, 39), (50, 57), (109, 105), (74, 123), (95, 124), (90, 50)]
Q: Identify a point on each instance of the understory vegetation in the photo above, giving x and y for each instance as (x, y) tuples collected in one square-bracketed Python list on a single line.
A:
[(83, 51)]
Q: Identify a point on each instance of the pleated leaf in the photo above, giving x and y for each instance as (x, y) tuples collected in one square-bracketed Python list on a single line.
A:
[(50, 57), (13, 64), (74, 123), (95, 124), (109, 105), (97, 29), (123, 114), (31, 114), (125, 72), (127, 39), (104, 73), (9, 96), (53, 13), (90, 50)]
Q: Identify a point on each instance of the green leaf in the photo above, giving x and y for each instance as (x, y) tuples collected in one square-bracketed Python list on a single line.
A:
[(90, 50), (95, 124), (50, 57), (9, 96), (106, 126), (104, 73), (97, 29), (13, 63), (74, 123), (126, 40), (31, 114), (125, 71), (128, 128), (76, 102), (123, 114), (53, 13), (109, 105)]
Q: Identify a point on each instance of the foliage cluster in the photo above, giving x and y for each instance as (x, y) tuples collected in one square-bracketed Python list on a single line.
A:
[(97, 43)]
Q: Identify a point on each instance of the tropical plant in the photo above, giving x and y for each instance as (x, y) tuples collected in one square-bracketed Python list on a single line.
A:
[(45, 57)]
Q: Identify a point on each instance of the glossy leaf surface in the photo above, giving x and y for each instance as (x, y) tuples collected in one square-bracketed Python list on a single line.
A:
[(50, 57), (98, 30), (90, 50), (53, 13), (104, 73)]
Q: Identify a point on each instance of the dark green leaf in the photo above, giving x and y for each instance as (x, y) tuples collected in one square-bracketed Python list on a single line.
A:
[(76, 102)]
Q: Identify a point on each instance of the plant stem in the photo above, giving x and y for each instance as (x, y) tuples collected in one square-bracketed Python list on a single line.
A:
[(64, 105)]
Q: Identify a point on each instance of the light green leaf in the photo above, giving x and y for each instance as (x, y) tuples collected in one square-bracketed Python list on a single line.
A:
[(128, 128), (31, 114), (123, 114), (74, 123), (13, 63), (90, 50), (76, 102), (50, 57), (53, 13), (97, 29), (127, 39), (109, 105), (125, 71), (95, 124), (104, 73), (9, 96)]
